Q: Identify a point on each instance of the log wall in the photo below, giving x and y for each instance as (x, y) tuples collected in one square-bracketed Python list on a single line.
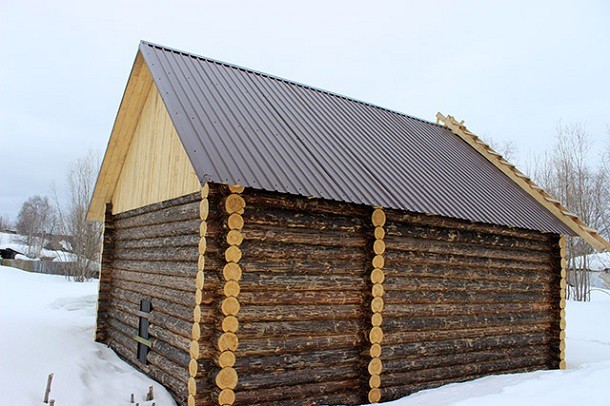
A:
[(151, 253), (305, 302)]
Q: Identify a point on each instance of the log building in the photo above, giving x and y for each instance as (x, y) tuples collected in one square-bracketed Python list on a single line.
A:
[(266, 242)]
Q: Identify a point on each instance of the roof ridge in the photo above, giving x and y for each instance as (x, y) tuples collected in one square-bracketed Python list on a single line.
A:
[(590, 234), (288, 81)]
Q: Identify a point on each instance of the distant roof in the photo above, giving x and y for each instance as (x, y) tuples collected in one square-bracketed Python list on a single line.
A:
[(239, 126)]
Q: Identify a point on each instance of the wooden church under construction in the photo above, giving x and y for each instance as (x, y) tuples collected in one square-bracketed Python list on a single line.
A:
[(267, 242)]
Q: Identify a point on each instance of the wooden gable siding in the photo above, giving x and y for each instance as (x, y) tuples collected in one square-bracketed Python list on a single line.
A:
[(156, 167)]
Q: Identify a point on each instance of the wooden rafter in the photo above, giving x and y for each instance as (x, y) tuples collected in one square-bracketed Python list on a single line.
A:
[(545, 199)]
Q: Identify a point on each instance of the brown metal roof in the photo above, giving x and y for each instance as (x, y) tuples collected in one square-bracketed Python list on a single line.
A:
[(244, 127)]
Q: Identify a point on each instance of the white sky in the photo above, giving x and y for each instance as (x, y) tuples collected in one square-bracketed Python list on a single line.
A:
[(512, 70)]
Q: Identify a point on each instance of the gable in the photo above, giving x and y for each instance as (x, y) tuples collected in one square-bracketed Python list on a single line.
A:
[(156, 167)]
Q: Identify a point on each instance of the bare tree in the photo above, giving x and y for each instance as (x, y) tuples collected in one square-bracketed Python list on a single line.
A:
[(85, 236), (567, 173), (36, 220)]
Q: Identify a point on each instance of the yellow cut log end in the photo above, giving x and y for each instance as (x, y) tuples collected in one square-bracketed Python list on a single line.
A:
[(378, 261), (203, 244), (234, 237), (226, 397), (193, 367), (231, 272), (197, 314), (228, 342), (376, 335), (374, 395), (230, 306), (236, 188), (192, 386), (205, 191), (199, 280), (203, 228), (204, 209), (379, 233), (230, 324), (376, 319), (190, 400), (231, 288), (226, 378), (235, 204), (375, 366), (194, 349), (232, 254), (378, 217), (196, 332), (377, 276), (377, 305), (375, 351), (226, 359), (235, 222), (374, 381), (377, 290)]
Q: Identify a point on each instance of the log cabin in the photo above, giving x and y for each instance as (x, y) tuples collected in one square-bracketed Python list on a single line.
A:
[(267, 242)]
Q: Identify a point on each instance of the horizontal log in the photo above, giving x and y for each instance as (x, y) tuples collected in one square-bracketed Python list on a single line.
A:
[(301, 266), (281, 378), (175, 340), (461, 322), (398, 337), (395, 392), (151, 214), (419, 245), (165, 243), (246, 365), (460, 285), (175, 268), (466, 308), (179, 283), (289, 251), (306, 394), (308, 328), (478, 238), (316, 237), (448, 297), (255, 217), (178, 388), (190, 227), (168, 366), (171, 295), (295, 282), (451, 223), (184, 254), (160, 305), (299, 312), (275, 345), (278, 298), (400, 259), (258, 198), (422, 350), (454, 371), (471, 273)]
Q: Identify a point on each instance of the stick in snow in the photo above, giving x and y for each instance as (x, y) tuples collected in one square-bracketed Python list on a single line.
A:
[(48, 390), (133, 399), (150, 395)]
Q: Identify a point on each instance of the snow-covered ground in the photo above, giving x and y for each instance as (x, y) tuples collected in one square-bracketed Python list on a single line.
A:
[(46, 325), (16, 242)]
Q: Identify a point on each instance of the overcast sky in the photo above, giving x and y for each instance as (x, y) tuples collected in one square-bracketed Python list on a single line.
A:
[(512, 71)]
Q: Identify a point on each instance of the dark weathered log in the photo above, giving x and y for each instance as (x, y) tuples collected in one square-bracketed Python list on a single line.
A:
[(176, 210), (176, 268), (169, 281), (309, 328), (281, 234), (175, 340), (296, 282), (301, 266), (445, 222), (297, 395), (258, 217), (184, 254), (337, 255), (160, 305), (468, 308), (399, 259), (292, 377), (423, 350), (303, 297), (314, 359), (458, 272), (159, 230), (470, 237), (464, 249), (187, 240), (454, 371), (461, 322), (178, 388), (395, 392), (424, 297), (415, 336), (179, 372), (105, 278), (171, 295), (176, 355), (268, 346), (460, 285), (300, 312)]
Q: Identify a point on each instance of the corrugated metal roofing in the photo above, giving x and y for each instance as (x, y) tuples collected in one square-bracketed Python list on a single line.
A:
[(244, 127)]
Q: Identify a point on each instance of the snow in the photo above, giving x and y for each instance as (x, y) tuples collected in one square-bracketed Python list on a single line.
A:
[(599, 261), (16, 242), (47, 325)]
